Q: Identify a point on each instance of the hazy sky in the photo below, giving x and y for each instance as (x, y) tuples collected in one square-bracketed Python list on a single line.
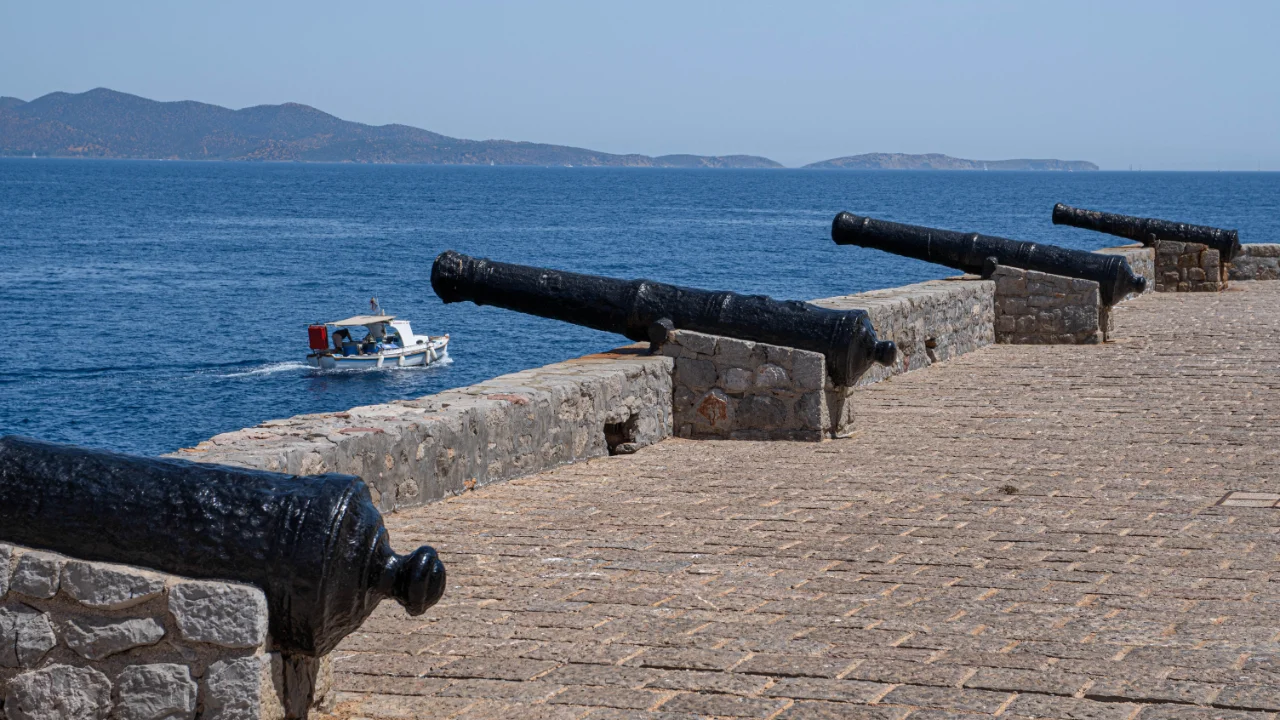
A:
[(1161, 85)]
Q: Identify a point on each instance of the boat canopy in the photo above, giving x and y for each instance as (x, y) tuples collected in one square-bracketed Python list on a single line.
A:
[(359, 320)]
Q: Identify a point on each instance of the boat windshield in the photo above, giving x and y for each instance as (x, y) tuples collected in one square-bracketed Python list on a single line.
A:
[(376, 338)]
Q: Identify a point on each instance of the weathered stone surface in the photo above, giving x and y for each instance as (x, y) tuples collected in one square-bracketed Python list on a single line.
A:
[(37, 574), (1188, 267), (759, 400), (155, 692), (1034, 308), (1256, 261), (26, 636), (58, 692), (1142, 261), (109, 587), (446, 444), (242, 689), (233, 616), (6, 557), (98, 638)]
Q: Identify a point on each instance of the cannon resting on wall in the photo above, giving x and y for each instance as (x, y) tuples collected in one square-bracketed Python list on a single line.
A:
[(971, 253), (645, 310), (1149, 231), (314, 545)]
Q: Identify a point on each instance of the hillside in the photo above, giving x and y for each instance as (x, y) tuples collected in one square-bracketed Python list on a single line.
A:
[(936, 161), (104, 123)]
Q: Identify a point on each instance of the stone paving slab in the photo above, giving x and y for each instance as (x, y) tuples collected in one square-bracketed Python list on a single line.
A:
[(1021, 532)]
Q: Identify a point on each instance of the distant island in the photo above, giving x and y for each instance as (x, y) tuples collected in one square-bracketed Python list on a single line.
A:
[(936, 161), (104, 123)]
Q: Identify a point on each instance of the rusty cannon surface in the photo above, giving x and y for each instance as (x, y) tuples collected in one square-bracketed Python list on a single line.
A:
[(315, 545), (1149, 231), (645, 310), (971, 253)]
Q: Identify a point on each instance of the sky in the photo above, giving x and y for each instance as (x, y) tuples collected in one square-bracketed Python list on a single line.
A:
[(1163, 85)]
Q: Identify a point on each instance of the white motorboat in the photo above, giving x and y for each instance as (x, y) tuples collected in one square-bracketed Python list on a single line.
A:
[(387, 342)]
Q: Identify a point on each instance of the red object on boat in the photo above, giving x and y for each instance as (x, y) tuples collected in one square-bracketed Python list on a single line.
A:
[(319, 335)]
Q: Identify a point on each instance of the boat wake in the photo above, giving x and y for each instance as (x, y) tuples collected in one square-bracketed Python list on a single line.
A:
[(268, 369)]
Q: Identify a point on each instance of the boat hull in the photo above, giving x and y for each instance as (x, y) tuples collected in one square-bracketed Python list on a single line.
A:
[(414, 357)]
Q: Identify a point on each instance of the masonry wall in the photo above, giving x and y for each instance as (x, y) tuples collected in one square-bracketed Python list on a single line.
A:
[(1141, 259), (414, 451), (1188, 267), (130, 644), (1035, 308), (1256, 261), (930, 321), (725, 388)]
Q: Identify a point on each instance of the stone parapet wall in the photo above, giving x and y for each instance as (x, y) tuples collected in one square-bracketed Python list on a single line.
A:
[(1035, 308), (111, 641), (414, 451), (1142, 260), (732, 389), (930, 321), (411, 452), (1256, 261), (1188, 267)]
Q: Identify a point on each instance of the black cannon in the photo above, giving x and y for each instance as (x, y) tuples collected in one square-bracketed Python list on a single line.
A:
[(969, 252), (1149, 230), (315, 545), (644, 310)]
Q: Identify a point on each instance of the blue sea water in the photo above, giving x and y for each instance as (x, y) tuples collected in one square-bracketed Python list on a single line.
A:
[(149, 305)]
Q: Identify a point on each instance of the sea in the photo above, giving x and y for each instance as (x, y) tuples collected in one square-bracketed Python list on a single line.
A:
[(147, 306)]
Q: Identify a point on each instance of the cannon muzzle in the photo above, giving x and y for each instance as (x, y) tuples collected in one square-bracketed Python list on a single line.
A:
[(968, 252), (315, 545), (638, 309), (1149, 230)]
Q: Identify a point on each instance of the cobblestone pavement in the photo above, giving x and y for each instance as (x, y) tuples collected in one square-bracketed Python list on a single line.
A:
[(1024, 532)]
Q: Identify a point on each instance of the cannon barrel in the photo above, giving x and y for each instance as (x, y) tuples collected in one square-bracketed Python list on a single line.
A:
[(969, 252), (315, 545), (1148, 230), (638, 308)]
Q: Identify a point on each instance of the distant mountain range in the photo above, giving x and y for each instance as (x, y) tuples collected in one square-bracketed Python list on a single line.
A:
[(935, 161), (104, 123)]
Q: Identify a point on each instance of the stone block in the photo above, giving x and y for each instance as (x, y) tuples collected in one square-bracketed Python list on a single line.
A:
[(762, 412), (697, 374), (699, 343), (98, 638), (242, 689), (26, 636), (808, 371), (37, 575), (736, 380), (714, 410), (739, 353), (109, 587), (58, 692), (1012, 285), (1014, 306), (155, 692), (233, 616), (769, 375)]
